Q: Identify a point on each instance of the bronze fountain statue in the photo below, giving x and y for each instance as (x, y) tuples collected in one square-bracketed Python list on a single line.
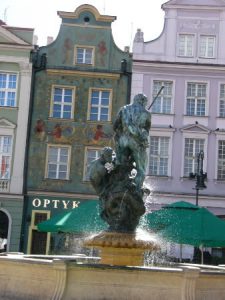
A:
[(118, 176)]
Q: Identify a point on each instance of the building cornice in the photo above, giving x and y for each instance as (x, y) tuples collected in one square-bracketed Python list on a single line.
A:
[(83, 73), (87, 26), (178, 65), (12, 46), (62, 195)]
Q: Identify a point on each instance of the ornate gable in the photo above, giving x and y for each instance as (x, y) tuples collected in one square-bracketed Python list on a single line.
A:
[(82, 12)]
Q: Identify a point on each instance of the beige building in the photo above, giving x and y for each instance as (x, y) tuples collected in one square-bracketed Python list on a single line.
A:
[(15, 82)]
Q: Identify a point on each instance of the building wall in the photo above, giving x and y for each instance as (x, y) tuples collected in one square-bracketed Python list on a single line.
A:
[(162, 60), (87, 31), (15, 47)]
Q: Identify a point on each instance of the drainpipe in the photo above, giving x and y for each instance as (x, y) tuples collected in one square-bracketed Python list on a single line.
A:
[(129, 75), (39, 64)]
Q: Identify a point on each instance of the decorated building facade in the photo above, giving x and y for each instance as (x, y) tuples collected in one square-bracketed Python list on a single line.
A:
[(15, 82), (80, 81), (188, 60)]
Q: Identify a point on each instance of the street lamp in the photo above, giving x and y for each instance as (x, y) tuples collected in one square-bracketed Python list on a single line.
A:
[(200, 176)]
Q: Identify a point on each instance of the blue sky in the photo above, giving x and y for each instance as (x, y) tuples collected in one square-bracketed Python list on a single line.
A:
[(42, 16)]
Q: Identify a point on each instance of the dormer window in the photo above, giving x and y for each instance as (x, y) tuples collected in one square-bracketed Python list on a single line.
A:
[(207, 46), (186, 45), (84, 55)]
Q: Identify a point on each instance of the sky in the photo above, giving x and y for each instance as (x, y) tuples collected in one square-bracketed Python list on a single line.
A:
[(42, 16)]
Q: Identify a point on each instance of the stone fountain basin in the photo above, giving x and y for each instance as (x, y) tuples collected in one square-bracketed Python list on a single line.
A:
[(79, 277)]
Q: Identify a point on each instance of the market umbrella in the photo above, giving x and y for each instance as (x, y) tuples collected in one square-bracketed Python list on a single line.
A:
[(84, 218), (185, 223), (169, 214)]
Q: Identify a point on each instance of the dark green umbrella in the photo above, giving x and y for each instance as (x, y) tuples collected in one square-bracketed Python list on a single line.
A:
[(84, 218), (185, 223)]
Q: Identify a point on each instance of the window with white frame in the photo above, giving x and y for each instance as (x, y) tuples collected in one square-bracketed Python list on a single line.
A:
[(8, 86), (90, 155), (159, 156), (207, 46), (62, 102), (99, 107), (192, 147), (5, 156), (222, 101), (164, 100), (221, 160), (196, 99), (186, 45), (84, 55), (58, 162)]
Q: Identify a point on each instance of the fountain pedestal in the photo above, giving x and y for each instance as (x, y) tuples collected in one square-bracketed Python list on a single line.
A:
[(122, 249)]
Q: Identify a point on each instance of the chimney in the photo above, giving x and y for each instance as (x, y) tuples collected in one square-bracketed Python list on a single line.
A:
[(49, 40), (35, 40)]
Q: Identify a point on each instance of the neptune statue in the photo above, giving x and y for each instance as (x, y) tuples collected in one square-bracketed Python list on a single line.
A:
[(118, 176)]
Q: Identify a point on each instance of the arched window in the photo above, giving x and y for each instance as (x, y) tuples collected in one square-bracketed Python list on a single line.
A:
[(4, 227)]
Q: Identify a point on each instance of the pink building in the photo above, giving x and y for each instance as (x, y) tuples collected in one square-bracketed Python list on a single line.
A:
[(188, 59)]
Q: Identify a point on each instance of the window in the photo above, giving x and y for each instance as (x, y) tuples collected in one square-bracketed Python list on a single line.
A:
[(63, 103), (159, 156), (221, 160), (186, 45), (84, 55), (5, 156), (163, 102), (91, 154), (222, 101), (58, 162), (207, 46), (196, 99), (8, 85), (99, 109), (192, 147)]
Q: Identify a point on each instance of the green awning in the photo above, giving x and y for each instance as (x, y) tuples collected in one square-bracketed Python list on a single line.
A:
[(84, 218), (185, 223)]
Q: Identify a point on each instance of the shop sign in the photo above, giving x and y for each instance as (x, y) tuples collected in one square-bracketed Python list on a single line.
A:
[(55, 203)]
